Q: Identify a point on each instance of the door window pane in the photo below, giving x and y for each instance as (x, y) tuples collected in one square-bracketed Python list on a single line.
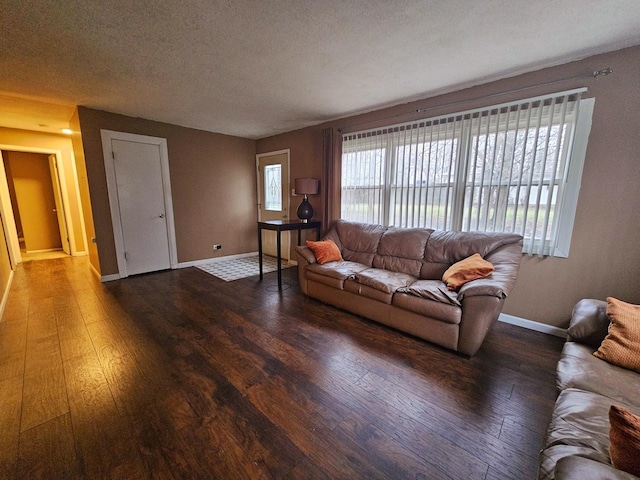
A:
[(273, 187)]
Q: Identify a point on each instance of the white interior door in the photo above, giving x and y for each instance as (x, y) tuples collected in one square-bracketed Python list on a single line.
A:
[(57, 195), (273, 198), (139, 194)]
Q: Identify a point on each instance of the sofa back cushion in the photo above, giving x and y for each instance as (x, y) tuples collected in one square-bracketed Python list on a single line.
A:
[(402, 250), (358, 242), (445, 248), (421, 252)]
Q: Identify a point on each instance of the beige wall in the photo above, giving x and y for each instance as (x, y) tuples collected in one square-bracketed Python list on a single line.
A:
[(213, 186), (605, 251), (83, 189), (52, 142), (5, 269)]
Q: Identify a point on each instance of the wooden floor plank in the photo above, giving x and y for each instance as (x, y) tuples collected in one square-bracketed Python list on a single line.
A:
[(10, 406), (45, 394), (179, 375), (48, 451)]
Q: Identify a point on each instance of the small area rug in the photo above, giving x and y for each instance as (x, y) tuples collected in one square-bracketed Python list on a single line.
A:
[(236, 268)]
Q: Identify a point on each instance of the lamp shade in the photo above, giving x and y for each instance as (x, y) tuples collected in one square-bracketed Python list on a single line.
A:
[(307, 186)]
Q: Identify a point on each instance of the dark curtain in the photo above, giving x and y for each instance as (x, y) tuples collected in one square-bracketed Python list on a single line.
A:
[(331, 159)]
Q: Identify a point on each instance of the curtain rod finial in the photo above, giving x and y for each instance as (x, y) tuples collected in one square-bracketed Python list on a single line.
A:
[(603, 73)]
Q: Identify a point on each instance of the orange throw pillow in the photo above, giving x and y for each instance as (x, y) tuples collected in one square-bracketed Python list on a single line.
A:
[(325, 251), (621, 346), (471, 268), (624, 435)]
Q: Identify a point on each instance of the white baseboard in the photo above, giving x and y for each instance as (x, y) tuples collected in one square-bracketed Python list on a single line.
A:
[(109, 278), (204, 261), (104, 278), (194, 263), (5, 295), (531, 325)]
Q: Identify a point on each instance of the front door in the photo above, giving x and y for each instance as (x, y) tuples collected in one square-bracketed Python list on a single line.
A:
[(273, 197), (140, 202)]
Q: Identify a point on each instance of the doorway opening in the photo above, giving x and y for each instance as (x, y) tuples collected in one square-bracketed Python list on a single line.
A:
[(34, 205)]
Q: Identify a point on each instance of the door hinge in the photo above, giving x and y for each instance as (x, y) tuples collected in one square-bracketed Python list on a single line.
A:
[(113, 154), (126, 255)]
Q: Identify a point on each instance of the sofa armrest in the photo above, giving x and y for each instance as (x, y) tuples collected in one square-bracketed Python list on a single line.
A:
[(498, 284), (482, 299), (506, 262), (483, 287), (305, 254), (305, 258), (589, 322), (479, 314)]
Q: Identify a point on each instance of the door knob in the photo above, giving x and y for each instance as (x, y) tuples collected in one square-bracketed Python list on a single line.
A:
[(161, 215)]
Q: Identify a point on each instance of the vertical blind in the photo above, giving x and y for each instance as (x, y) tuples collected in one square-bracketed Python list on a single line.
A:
[(497, 169)]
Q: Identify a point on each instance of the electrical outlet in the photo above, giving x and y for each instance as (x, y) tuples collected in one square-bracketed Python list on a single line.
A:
[(217, 246)]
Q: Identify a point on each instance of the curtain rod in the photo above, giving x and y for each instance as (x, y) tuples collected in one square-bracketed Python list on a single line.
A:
[(595, 75)]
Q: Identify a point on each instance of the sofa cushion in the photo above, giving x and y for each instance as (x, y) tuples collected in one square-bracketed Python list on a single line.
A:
[(579, 426), (325, 251), (578, 368), (445, 312), (431, 290), (574, 467), (624, 436), (358, 242), (444, 248), (353, 286), (334, 273), (622, 344), (383, 280), (402, 250), (467, 270)]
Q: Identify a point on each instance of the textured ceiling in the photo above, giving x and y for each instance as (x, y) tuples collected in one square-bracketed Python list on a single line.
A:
[(255, 68)]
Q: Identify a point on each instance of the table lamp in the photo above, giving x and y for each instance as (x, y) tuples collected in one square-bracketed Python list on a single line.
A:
[(306, 186)]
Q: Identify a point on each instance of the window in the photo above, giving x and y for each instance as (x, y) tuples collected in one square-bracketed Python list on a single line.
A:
[(273, 187), (508, 168)]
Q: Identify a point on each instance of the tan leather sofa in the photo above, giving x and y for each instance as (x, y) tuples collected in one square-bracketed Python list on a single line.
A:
[(394, 276), (576, 445)]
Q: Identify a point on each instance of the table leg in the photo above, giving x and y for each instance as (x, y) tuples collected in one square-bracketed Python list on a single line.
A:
[(279, 242), (299, 236), (260, 250)]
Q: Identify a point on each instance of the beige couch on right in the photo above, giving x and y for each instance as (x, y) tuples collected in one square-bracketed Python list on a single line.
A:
[(577, 441)]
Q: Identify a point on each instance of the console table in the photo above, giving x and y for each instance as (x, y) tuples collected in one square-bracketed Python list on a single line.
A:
[(280, 226)]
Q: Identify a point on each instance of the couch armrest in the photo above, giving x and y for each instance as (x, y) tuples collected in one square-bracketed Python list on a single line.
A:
[(479, 314), (589, 322), (306, 254), (483, 287), (482, 299), (506, 261), (305, 258), (579, 468)]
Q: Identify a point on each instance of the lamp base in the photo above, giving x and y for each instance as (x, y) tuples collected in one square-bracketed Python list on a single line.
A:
[(305, 210)]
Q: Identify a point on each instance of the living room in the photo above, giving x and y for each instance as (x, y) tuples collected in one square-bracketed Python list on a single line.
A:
[(213, 179)]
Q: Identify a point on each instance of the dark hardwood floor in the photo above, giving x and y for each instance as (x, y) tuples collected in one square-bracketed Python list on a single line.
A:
[(179, 375)]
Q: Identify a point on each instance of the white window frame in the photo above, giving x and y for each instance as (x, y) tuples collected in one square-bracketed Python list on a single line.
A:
[(565, 208)]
